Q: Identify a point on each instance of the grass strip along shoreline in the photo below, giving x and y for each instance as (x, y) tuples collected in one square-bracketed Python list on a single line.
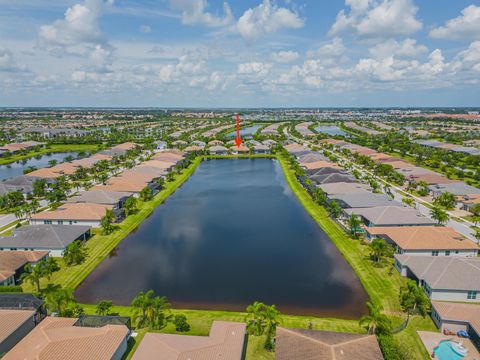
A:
[(54, 148), (380, 283)]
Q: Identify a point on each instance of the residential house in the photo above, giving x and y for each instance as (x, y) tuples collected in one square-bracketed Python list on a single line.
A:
[(343, 188), (114, 198), (226, 341), (443, 278), (160, 145), (12, 264), (89, 214), (261, 149), (390, 216), (57, 338), (333, 178), (364, 199), (240, 149), (425, 240), (218, 150), (303, 344), (19, 314), (457, 317), (51, 238)]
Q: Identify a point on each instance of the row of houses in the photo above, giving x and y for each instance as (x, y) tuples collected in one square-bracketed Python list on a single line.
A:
[(466, 195), (27, 333), (354, 126), (89, 207), (448, 147), (16, 147), (303, 129), (443, 262)]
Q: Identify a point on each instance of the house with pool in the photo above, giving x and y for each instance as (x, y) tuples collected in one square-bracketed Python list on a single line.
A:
[(444, 278)]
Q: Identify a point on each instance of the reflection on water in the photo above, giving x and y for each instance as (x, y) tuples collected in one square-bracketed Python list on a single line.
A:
[(232, 234), (330, 130), (245, 131), (16, 169)]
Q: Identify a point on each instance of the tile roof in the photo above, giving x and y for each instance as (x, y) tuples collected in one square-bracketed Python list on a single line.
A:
[(11, 320), (444, 272), (225, 342), (76, 211), (302, 344), (392, 215), (43, 236), (424, 237), (468, 313), (319, 164), (11, 261), (57, 339), (99, 197), (343, 188), (365, 199)]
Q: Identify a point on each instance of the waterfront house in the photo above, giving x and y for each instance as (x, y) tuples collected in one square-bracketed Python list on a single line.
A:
[(444, 278), (316, 165), (311, 157), (218, 150), (390, 216), (226, 341), (261, 149), (301, 344), (51, 238), (193, 148), (458, 317), (333, 178), (89, 214), (215, 143), (22, 183), (240, 149), (26, 145), (19, 314), (343, 188), (425, 240), (114, 198), (57, 338), (12, 264), (363, 199)]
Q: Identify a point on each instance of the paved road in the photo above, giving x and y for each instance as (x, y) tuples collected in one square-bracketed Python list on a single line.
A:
[(463, 228), (6, 219)]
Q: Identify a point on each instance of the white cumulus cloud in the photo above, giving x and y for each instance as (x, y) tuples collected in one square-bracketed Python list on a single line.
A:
[(377, 19), (284, 56), (267, 18), (465, 26), (195, 12)]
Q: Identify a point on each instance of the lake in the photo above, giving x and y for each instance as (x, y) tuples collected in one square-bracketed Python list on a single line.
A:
[(245, 131), (330, 130), (16, 169), (232, 234)]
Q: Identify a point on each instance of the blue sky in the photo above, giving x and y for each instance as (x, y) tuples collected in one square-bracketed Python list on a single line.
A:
[(249, 53)]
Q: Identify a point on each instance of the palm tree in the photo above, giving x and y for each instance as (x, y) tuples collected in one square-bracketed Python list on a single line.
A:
[(379, 248), (103, 307), (413, 299), (106, 222), (58, 300), (140, 306), (354, 223), (439, 215), (263, 319), (408, 201), (130, 205), (75, 253), (375, 321), (334, 209), (43, 268)]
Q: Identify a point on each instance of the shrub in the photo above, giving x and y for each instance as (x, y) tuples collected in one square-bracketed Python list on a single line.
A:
[(11, 289)]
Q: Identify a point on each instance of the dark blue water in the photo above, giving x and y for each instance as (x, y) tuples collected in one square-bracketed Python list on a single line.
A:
[(16, 169), (330, 130), (246, 131), (232, 234)]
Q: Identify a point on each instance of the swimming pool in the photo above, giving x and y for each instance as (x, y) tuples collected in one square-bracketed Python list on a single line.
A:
[(445, 351)]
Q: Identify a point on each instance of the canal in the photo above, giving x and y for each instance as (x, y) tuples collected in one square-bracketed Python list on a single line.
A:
[(232, 234)]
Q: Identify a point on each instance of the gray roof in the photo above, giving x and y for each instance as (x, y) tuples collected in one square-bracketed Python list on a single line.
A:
[(311, 157), (444, 272), (343, 188), (99, 197), (364, 199), (391, 215), (333, 178), (218, 148), (44, 236), (328, 170), (22, 183), (458, 188)]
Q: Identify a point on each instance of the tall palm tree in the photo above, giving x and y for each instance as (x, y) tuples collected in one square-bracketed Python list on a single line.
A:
[(354, 223), (58, 300), (439, 215), (141, 304), (374, 320)]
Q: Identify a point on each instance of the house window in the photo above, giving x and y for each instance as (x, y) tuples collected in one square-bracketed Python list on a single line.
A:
[(60, 222), (472, 295), (434, 253), (47, 222), (447, 253)]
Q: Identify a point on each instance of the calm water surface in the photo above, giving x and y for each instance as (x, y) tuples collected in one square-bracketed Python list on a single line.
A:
[(245, 131), (330, 130), (232, 234), (16, 169)]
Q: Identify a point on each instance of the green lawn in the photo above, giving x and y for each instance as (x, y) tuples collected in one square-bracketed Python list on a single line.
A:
[(99, 245), (381, 284), (55, 148)]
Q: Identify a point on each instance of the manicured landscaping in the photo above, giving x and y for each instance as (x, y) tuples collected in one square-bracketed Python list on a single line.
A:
[(55, 148)]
